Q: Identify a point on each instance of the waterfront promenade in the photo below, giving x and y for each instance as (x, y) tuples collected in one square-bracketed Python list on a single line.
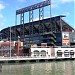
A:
[(30, 59), (42, 54)]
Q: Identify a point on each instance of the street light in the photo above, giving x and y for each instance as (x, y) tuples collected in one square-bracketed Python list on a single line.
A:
[(18, 44), (10, 42)]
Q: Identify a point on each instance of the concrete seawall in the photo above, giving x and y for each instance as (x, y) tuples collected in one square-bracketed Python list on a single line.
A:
[(14, 60)]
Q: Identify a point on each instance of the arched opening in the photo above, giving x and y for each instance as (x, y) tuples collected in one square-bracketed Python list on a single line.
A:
[(71, 53), (43, 53), (59, 53), (36, 53), (66, 53)]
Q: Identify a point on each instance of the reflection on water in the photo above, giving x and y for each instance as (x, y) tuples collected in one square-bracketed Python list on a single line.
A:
[(47, 68)]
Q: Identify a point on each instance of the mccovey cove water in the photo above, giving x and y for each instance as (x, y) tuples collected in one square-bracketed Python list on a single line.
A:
[(45, 68)]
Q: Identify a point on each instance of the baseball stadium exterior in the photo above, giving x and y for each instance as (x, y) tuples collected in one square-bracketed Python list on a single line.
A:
[(51, 32), (47, 30)]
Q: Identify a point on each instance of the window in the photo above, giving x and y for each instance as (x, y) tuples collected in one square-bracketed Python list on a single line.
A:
[(43, 53), (36, 53), (71, 53), (66, 53), (59, 53)]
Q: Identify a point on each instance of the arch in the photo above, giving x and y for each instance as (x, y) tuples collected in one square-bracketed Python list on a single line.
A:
[(59, 53), (43, 53), (66, 53), (36, 53), (72, 53)]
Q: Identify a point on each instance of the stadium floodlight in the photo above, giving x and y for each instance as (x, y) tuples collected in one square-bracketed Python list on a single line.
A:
[(33, 7)]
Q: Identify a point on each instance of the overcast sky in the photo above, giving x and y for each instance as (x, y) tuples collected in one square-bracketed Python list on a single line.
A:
[(59, 7)]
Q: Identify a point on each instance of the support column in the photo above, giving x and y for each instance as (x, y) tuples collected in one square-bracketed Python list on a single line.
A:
[(31, 31), (22, 27), (41, 17)]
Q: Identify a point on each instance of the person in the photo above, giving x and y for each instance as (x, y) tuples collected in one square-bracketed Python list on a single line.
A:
[(0, 67)]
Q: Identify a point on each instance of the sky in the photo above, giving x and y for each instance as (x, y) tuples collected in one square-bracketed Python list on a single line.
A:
[(58, 7)]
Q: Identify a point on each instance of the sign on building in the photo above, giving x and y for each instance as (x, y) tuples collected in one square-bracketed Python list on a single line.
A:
[(65, 39)]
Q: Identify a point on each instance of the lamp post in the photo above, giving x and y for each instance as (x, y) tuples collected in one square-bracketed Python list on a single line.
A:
[(10, 42), (18, 44), (1, 43)]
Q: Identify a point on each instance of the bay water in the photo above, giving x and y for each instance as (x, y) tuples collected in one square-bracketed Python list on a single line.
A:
[(40, 68)]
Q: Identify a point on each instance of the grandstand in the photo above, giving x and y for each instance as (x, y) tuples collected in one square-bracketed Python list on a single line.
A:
[(50, 34)]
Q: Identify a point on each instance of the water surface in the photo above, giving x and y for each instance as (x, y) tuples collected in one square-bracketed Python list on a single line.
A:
[(45, 68)]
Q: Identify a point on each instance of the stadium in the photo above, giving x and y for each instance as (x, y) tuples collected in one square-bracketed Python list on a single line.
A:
[(49, 31)]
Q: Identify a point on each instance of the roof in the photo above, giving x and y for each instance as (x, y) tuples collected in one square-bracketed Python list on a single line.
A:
[(47, 22)]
